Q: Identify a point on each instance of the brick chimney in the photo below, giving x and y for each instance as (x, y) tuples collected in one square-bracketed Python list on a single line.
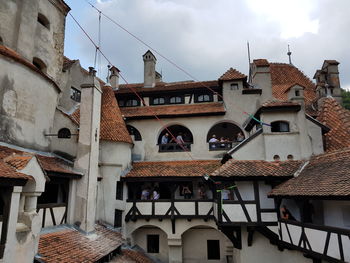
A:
[(87, 154), (149, 69)]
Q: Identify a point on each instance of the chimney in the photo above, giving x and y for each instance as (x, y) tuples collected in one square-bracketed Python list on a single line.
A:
[(327, 81), (149, 69), (260, 76), (114, 77), (87, 154), (296, 94)]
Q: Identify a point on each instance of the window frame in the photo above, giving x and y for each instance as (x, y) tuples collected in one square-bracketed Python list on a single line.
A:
[(119, 193), (153, 101), (153, 248), (279, 128), (127, 104), (197, 98), (118, 218), (176, 101), (213, 255), (75, 94)]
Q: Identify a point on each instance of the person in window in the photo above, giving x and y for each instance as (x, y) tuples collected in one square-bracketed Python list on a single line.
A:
[(165, 138), (179, 139), (186, 192), (202, 193), (240, 137), (286, 214), (145, 194), (212, 141), (155, 194), (225, 194)]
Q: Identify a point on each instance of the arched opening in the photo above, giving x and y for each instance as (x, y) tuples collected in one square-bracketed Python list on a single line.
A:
[(182, 141), (204, 244), (133, 131), (279, 126), (224, 136), (43, 21), (37, 62), (152, 240), (64, 133)]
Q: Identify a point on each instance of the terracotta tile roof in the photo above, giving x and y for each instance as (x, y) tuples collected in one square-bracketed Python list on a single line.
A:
[(9, 172), (278, 103), (174, 110), (261, 62), (232, 74), (68, 245), (10, 53), (239, 168), (173, 168), (283, 76), (162, 86), (112, 125), (19, 159), (334, 116), (75, 116), (132, 256), (327, 175)]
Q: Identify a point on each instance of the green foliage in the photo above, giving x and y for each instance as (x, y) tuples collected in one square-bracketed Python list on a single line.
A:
[(346, 98)]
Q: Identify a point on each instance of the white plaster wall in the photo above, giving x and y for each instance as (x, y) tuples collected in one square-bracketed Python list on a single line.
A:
[(21, 31), (336, 213), (62, 145), (265, 202), (261, 78), (194, 243), (28, 103), (315, 135), (262, 251), (246, 189), (139, 237), (114, 158), (253, 150)]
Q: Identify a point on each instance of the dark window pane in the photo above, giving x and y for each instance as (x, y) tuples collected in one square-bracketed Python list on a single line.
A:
[(75, 94), (279, 126), (152, 243), (119, 191), (213, 249), (118, 218)]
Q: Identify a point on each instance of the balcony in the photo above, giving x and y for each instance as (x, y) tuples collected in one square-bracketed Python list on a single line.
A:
[(221, 146), (323, 242), (174, 147)]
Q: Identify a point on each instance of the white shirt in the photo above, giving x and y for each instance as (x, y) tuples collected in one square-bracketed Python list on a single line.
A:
[(213, 140)]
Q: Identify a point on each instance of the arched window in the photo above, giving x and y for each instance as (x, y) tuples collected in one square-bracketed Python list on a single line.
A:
[(223, 136), (204, 98), (279, 126), (133, 131), (182, 141), (64, 133), (290, 157), (43, 21), (276, 157), (158, 101), (37, 62), (176, 100), (132, 103)]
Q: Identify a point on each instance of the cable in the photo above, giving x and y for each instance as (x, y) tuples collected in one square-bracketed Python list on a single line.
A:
[(132, 89), (170, 61)]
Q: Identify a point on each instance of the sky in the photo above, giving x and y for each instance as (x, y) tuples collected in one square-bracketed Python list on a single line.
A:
[(206, 37)]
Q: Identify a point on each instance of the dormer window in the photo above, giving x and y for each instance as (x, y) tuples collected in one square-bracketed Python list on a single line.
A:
[(176, 100), (75, 94), (204, 98), (43, 21), (279, 126), (234, 86), (132, 103), (158, 101), (297, 93)]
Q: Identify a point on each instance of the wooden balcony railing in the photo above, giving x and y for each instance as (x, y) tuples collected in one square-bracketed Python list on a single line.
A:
[(174, 147), (221, 146), (58, 214), (323, 242)]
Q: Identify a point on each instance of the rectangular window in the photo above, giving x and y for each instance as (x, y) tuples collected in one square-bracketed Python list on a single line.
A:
[(213, 249), (203, 98), (119, 191), (234, 86), (152, 243), (75, 94), (118, 218)]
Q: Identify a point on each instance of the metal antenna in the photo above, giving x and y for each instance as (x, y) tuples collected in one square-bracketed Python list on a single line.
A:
[(249, 80), (290, 56)]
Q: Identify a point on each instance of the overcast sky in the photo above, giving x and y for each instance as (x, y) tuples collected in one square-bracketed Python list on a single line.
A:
[(206, 37)]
